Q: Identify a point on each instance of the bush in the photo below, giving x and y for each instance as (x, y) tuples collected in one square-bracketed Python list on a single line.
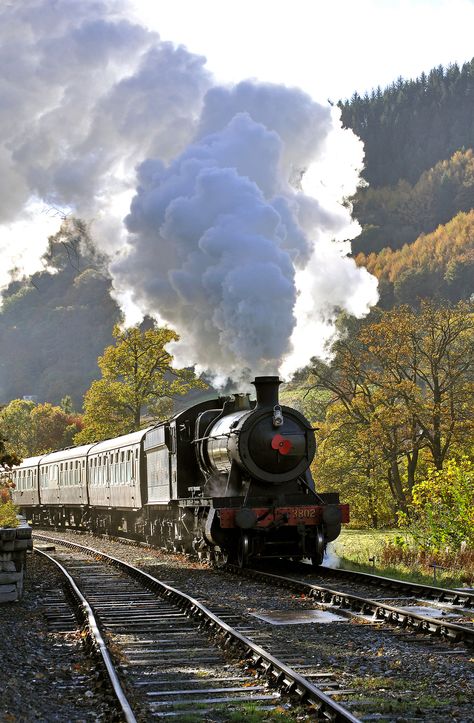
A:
[(8, 511), (457, 567), (8, 514), (443, 508)]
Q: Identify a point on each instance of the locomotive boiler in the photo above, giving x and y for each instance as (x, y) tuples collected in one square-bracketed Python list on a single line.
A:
[(228, 478)]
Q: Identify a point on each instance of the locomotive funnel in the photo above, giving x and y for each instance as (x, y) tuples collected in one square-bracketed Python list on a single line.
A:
[(267, 391)]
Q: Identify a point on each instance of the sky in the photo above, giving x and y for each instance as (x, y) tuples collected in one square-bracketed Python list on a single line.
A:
[(329, 48)]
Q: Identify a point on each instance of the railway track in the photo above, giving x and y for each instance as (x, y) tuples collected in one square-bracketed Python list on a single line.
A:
[(59, 618), (461, 598), (378, 672), (163, 661), (408, 613)]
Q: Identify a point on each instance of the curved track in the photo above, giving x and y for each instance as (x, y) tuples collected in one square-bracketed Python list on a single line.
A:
[(91, 630), (142, 629)]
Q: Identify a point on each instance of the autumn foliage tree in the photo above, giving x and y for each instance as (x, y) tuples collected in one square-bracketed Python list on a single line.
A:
[(350, 461), (439, 265), (33, 429), (402, 387), (137, 385), (394, 215), (427, 357)]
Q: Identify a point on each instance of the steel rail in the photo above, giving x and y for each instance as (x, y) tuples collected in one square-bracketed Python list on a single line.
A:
[(281, 674), (89, 624), (381, 611), (431, 592)]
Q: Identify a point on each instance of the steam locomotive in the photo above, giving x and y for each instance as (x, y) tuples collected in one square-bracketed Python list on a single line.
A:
[(228, 478)]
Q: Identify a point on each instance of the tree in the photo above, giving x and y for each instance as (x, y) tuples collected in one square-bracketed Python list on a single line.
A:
[(54, 324), (428, 358), (438, 265), (351, 461), (374, 415), (32, 429), (8, 457), (403, 384), (137, 385), (409, 126), (15, 422), (443, 506), (53, 428)]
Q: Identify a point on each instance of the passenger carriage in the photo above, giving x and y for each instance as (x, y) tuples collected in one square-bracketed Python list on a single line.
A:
[(25, 477), (117, 482), (63, 478)]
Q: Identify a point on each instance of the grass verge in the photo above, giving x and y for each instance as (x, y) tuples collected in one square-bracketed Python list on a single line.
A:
[(355, 548)]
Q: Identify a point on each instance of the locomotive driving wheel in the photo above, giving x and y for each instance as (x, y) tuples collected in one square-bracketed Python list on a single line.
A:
[(319, 547), (243, 550)]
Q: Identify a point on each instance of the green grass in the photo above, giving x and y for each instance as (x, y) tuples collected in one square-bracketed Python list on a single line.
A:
[(358, 545), (355, 547)]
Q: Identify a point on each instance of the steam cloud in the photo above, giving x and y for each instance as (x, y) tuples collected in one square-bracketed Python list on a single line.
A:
[(225, 241)]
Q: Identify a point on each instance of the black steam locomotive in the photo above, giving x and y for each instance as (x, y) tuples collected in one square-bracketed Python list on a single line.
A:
[(228, 478)]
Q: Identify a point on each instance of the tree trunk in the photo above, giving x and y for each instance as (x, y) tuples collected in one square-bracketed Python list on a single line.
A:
[(396, 486), (412, 462), (137, 418), (371, 502)]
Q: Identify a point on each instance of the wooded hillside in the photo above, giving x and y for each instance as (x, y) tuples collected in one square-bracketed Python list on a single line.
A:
[(411, 125)]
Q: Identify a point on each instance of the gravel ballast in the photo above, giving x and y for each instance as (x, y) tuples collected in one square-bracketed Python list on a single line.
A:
[(45, 676), (389, 671)]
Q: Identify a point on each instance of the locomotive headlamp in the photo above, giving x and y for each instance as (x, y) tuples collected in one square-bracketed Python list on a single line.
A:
[(277, 416)]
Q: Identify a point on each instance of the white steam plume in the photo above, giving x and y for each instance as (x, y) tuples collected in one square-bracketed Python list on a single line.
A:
[(86, 95), (230, 232), (331, 558), (226, 246)]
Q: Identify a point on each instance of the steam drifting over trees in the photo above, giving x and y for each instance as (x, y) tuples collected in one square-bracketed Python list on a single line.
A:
[(222, 234)]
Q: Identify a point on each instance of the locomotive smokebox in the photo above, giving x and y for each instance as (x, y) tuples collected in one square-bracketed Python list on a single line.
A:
[(267, 391), (269, 443)]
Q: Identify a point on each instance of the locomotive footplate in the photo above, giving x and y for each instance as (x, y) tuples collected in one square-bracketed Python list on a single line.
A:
[(288, 516)]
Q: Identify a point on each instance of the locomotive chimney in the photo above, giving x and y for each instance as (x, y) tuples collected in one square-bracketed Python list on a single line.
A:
[(267, 391)]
